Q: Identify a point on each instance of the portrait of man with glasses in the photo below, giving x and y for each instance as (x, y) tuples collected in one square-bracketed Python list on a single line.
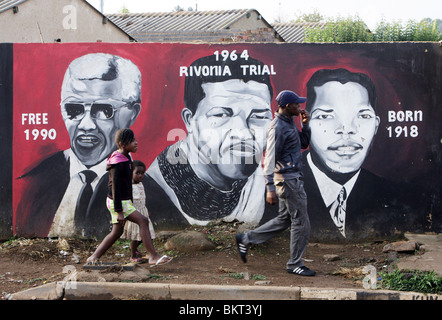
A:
[(64, 194)]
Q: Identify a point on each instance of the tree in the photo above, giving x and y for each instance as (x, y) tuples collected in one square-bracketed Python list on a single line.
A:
[(124, 9), (437, 21), (339, 30), (353, 29), (315, 16), (411, 31)]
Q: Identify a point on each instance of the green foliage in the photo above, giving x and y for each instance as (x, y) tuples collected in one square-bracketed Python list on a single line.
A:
[(258, 277), (315, 16), (124, 9), (411, 31), (339, 30), (237, 275), (417, 281), (353, 29), (438, 23)]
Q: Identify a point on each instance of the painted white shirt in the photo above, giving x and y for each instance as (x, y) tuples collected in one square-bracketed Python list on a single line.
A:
[(330, 189), (63, 223)]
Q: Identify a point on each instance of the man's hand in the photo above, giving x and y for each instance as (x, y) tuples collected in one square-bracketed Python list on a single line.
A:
[(271, 197), (305, 116)]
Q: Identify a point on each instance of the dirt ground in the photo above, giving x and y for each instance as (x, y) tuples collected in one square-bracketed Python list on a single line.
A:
[(26, 263)]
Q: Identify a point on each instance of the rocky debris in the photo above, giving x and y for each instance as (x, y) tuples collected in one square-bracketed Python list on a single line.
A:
[(222, 269), (63, 244), (113, 274), (331, 257), (401, 246), (41, 249), (350, 273), (163, 236), (189, 241), (392, 256), (429, 256), (109, 266)]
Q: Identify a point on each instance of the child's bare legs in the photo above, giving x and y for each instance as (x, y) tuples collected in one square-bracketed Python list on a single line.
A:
[(108, 241), (133, 248), (146, 237)]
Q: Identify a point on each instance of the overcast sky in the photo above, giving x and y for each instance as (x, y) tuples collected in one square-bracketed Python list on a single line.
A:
[(370, 11)]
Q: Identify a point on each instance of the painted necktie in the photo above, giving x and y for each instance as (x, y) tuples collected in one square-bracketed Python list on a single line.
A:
[(337, 211), (87, 176)]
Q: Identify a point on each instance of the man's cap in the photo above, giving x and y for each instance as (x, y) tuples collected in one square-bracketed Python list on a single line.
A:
[(286, 96)]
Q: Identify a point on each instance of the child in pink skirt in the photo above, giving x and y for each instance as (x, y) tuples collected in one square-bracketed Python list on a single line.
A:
[(132, 230)]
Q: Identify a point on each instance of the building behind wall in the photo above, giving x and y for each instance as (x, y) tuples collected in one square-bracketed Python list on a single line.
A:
[(245, 25), (49, 21), (294, 32)]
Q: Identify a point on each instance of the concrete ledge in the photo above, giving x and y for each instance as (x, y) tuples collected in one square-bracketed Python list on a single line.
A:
[(50, 291), (328, 294), (164, 291), (157, 291)]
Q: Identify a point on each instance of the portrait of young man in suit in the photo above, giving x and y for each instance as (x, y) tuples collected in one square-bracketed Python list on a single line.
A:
[(346, 201)]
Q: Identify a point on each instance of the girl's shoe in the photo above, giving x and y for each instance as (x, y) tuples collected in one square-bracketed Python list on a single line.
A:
[(137, 260)]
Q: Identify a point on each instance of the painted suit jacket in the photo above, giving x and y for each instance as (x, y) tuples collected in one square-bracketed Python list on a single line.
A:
[(45, 187), (376, 208)]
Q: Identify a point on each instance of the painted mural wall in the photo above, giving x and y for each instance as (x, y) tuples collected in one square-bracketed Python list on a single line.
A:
[(200, 115)]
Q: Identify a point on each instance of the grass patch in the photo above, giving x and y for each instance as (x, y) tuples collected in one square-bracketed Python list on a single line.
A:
[(258, 277), (414, 280)]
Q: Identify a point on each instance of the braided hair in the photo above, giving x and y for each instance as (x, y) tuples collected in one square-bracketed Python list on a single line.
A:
[(124, 136)]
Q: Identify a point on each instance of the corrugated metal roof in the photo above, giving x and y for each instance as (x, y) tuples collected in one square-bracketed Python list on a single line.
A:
[(294, 32), (9, 4), (180, 20)]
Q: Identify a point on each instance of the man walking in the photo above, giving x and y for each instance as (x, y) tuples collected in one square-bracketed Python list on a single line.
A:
[(282, 170)]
